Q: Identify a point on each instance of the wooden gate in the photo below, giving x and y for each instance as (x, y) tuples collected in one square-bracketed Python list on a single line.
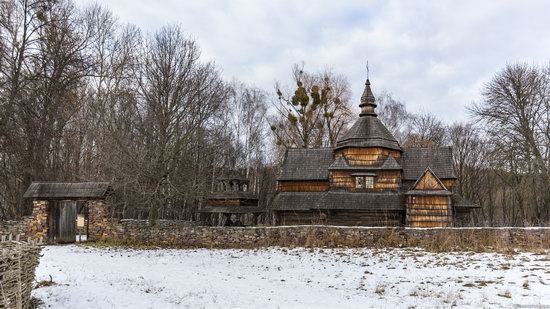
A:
[(66, 221)]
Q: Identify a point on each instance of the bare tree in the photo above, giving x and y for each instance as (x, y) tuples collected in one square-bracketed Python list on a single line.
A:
[(425, 130), (315, 113), (516, 116), (393, 114)]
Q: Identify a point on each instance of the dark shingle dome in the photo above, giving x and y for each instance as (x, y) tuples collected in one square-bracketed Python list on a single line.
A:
[(368, 130)]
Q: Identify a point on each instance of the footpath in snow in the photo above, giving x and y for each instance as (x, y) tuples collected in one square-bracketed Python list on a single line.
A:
[(88, 277)]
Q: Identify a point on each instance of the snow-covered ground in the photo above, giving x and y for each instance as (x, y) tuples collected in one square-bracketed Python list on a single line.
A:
[(294, 278)]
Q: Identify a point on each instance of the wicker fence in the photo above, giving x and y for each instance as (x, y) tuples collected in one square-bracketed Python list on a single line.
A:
[(18, 261)]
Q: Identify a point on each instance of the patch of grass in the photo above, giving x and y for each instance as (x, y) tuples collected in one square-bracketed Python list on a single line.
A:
[(484, 282), (35, 303), (45, 283)]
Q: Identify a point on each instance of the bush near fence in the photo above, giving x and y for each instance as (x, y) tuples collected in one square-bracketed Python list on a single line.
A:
[(18, 261)]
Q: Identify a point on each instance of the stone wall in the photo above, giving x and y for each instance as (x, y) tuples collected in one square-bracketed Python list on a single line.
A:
[(37, 224), (182, 234), (13, 228), (99, 226), (33, 227)]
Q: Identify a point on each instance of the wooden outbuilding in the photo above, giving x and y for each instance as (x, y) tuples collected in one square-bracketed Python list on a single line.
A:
[(231, 200), (60, 209), (368, 179)]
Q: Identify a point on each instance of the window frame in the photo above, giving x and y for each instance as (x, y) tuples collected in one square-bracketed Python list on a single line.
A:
[(364, 182)]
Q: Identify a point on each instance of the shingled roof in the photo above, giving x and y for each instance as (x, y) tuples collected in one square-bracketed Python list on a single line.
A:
[(338, 200), (68, 190), (416, 160), (368, 130), (226, 195), (390, 164), (306, 164), (231, 209)]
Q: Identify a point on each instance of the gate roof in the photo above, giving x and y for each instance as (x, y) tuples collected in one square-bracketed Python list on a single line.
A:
[(68, 190)]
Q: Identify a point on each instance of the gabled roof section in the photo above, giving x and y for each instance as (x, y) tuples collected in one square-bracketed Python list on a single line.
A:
[(428, 184), (416, 160), (68, 190), (428, 181), (306, 164)]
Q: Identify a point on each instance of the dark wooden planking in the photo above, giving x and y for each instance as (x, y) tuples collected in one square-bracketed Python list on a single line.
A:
[(341, 217), (67, 221)]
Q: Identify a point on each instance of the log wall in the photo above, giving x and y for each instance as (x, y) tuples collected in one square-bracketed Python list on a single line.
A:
[(387, 180), (384, 180), (428, 211), (366, 156), (303, 186)]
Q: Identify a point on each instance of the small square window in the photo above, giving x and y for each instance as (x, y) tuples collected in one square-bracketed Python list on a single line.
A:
[(364, 182), (359, 182), (369, 182)]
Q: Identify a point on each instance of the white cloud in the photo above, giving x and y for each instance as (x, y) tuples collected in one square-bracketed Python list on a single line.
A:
[(434, 55)]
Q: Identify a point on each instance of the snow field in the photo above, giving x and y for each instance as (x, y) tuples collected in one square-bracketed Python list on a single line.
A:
[(89, 277)]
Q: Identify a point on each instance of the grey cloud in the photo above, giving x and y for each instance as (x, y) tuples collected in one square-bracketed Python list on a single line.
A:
[(434, 55)]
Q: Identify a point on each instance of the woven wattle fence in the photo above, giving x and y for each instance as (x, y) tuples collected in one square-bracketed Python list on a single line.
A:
[(18, 261)]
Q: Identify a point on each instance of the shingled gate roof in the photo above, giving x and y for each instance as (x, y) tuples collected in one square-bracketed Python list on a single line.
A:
[(306, 164), (338, 200), (68, 190), (416, 160)]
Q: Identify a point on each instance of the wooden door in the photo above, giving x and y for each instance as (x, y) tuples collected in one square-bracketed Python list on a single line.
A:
[(66, 221)]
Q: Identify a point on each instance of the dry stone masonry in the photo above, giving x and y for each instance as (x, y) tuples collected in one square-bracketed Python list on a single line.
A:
[(184, 234)]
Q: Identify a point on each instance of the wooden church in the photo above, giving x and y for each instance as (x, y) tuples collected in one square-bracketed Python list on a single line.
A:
[(368, 179)]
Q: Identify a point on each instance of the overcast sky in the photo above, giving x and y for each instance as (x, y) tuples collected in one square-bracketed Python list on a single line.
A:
[(433, 55)]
